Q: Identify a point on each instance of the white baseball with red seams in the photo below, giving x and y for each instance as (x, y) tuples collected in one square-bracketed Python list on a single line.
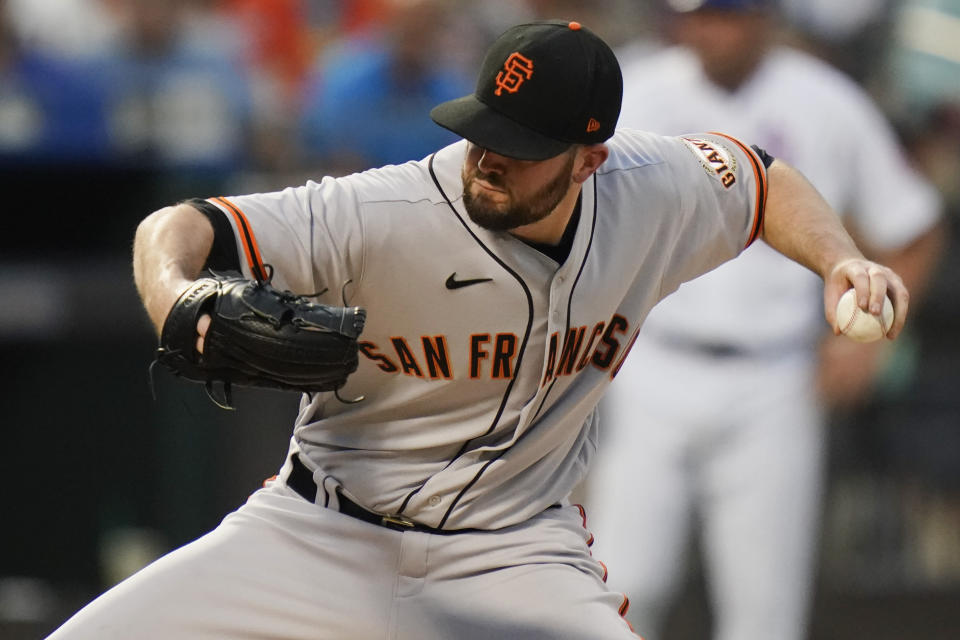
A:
[(859, 325)]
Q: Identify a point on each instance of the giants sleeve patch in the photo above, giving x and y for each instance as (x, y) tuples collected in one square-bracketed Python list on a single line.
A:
[(716, 159)]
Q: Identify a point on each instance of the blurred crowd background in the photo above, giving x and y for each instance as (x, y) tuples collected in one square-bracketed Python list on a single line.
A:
[(110, 109)]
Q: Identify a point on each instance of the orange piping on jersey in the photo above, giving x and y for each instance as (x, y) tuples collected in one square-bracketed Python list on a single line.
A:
[(623, 614), (583, 519), (623, 356), (761, 175), (623, 610), (250, 248)]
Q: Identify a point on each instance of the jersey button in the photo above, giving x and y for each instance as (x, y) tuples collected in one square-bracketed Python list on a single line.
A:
[(434, 500)]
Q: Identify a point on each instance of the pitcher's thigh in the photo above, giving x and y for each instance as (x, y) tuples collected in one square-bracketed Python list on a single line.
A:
[(297, 573), (549, 601)]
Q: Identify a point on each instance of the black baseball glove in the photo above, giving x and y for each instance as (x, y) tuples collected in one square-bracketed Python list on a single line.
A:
[(260, 337)]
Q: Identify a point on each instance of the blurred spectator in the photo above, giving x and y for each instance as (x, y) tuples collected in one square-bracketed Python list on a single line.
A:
[(834, 21), (935, 144), (852, 35), (280, 42), (933, 134), (51, 108), (722, 427), (368, 101), (178, 100), (360, 15), (618, 21), (924, 59), (72, 28)]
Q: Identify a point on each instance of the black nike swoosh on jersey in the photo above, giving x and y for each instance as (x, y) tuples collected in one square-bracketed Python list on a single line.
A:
[(453, 283)]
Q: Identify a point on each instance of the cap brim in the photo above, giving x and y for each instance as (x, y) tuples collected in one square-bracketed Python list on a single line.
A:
[(471, 119)]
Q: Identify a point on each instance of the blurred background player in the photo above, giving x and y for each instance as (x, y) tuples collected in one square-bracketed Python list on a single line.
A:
[(716, 423)]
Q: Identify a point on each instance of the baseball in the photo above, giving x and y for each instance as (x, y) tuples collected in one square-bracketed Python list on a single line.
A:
[(857, 324)]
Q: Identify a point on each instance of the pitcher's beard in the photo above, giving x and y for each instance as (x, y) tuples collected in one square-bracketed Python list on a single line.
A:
[(538, 206)]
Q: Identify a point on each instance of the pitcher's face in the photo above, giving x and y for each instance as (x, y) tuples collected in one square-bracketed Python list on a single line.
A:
[(502, 193)]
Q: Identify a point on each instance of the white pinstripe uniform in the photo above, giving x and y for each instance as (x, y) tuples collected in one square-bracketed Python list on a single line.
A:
[(715, 420), (478, 408)]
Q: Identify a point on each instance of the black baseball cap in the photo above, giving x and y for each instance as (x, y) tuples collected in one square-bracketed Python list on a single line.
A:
[(542, 87)]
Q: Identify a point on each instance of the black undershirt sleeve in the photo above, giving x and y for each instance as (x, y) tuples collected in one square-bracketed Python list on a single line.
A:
[(223, 254), (765, 157)]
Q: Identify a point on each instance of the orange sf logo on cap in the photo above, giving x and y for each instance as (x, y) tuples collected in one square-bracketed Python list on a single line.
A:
[(516, 70)]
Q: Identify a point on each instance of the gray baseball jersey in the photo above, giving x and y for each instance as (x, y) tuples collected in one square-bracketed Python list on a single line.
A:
[(482, 358)]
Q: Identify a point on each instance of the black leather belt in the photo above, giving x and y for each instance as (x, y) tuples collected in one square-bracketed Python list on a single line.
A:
[(301, 481), (722, 350), (719, 350)]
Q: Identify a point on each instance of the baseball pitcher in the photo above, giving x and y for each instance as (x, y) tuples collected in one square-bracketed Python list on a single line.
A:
[(491, 292)]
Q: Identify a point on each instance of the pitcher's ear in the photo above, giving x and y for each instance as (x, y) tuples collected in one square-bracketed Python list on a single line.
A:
[(591, 157)]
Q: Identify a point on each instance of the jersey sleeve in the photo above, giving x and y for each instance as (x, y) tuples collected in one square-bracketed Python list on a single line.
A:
[(307, 238), (722, 189)]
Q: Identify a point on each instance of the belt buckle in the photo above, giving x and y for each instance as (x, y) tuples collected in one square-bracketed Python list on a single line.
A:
[(397, 522)]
